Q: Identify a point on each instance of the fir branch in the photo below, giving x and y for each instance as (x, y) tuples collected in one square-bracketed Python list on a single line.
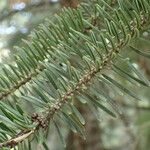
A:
[(106, 61), (35, 72), (134, 26), (60, 103), (21, 83)]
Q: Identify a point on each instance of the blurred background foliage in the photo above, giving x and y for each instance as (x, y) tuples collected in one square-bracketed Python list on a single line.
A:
[(20, 17)]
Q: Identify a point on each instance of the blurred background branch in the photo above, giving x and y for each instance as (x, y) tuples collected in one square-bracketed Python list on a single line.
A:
[(25, 7)]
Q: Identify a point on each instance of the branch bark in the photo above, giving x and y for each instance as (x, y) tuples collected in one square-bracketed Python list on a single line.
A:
[(69, 3)]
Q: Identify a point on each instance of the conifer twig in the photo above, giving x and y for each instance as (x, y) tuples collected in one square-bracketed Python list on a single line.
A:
[(19, 138), (43, 122), (106, 61)]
